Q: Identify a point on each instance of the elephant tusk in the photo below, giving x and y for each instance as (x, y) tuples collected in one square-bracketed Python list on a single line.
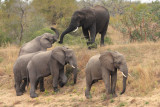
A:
[(124, 75), (73, 66), (75, 29)]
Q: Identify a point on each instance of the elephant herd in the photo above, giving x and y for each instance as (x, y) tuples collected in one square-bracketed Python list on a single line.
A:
[(35, 62)]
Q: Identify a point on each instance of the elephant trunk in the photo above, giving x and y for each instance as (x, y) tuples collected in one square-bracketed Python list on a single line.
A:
[(124, 84), (68, 30), (57, 33), (75, 75), (124, 70)]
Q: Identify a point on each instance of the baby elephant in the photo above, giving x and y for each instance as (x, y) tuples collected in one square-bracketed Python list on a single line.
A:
[(40, 43), (102, 66), (51, 63), (21, 73)]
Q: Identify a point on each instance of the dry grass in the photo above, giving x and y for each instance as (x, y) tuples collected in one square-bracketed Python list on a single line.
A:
[(143, 61)]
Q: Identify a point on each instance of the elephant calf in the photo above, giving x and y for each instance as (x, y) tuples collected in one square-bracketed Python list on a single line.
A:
[(51, 63), (40, 43), (102, 66), (21, 73)]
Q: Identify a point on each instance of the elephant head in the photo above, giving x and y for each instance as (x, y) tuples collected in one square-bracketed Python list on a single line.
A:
[(48, 39), (115, 60), (84, 17), (65, 55)]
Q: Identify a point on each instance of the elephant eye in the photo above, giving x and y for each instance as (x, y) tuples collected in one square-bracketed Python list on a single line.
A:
[(119, 62), (48, 39)]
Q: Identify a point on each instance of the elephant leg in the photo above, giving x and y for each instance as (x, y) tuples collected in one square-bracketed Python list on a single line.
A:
[(88, 88), (103, 33), (41, 81), (18, 89), (102, 38), (32, 90), (24, 85), (85, 33), (33, 79), (36, 84), (113, 83), (63, 78), (106, 79), (92, 33), (55, 76)]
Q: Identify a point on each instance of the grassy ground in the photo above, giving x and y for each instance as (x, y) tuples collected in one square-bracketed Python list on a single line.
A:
[(143, 61)]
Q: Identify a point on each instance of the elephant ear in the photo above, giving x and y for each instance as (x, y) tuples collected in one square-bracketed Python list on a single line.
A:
[(59, 55), (107, 61), (45, 41)]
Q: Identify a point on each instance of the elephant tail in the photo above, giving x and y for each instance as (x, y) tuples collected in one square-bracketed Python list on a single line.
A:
[(56, 31)]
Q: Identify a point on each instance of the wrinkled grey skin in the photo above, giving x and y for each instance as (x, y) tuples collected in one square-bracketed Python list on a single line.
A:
[(21, 73), (94, 20), (102, 66), (52, 63), (40, 43)]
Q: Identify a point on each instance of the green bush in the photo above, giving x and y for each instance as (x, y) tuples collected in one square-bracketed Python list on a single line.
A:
[(141, 22), (74, 40), (35, 24), (4, 39)]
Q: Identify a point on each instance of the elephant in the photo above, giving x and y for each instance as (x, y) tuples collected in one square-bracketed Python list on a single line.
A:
[(94, 20), (40, 43), (101, 67), (21, 73), (52, 63)]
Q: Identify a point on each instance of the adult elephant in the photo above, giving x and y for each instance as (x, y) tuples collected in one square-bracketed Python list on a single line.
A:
[(51, 63), (102, 66), (94, 20), (40, 43)]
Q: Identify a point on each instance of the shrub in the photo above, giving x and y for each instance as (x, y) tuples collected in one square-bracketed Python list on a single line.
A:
[(139, 21), (74, 40), (4, 39)]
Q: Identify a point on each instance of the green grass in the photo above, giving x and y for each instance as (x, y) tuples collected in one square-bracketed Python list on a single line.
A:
[(122, 104), (146, 102), (81, 41), (111, 101)]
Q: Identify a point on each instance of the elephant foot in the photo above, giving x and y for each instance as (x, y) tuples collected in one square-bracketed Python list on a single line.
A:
[(102, 45), (56, 89), (23, 90), (110, 96), (33, 95), (19, 93), (114, 95), (88, 95), (61, 84), (92, 46), (88, 43), (60, 42), (42, 89)]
